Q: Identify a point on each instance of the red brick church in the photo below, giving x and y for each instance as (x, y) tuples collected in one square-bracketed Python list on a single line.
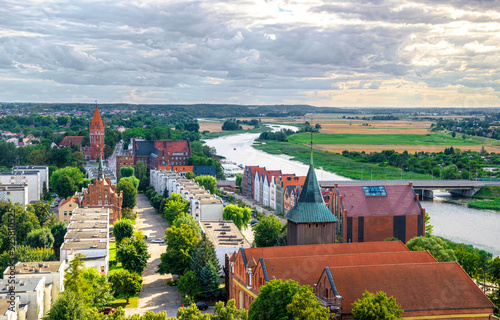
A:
[(96, 134)]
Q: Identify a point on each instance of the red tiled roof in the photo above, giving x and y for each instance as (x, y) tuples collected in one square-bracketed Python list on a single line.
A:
[(307, 270), (70, 141), (326, 249), (73, 198), (424, 287), (172, 146), (96, 119), (294, 181), (177, 168), (400, 200)]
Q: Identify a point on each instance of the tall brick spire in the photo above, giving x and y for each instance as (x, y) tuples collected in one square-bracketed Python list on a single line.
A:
[(96, 133)]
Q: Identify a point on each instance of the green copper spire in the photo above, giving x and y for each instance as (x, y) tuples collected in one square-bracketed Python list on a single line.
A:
[(100, 171)]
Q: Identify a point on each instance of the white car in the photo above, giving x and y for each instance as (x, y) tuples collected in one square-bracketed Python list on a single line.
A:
[(157, 240)]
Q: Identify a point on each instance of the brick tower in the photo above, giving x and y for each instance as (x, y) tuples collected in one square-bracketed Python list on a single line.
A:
[(96, 133)]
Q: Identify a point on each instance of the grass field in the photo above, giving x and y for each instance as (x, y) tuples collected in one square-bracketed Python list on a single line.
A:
[(217, 126), (379, 139)]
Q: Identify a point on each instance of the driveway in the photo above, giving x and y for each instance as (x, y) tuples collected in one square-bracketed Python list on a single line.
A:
[(156, 295)]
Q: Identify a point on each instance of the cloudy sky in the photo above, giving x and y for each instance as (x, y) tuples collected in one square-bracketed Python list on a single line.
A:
[(395, 53)]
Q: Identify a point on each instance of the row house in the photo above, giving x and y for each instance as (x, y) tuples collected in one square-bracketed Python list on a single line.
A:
[(340, 274), (284, 183), (247, 181)]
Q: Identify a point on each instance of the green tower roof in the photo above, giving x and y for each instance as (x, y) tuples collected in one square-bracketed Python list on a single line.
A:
[(310, 207)]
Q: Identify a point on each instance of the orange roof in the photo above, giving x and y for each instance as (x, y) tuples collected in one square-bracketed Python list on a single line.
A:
[(420, 287), (172, 146), (293, 181), (400, 200), (73, 198), (325, 249), (69, 141), (96, 119), (307, 270), (177, 168)]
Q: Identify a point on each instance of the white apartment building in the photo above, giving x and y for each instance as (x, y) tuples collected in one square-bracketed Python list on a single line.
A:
[(33, 293), (30, 178), (15, 193)]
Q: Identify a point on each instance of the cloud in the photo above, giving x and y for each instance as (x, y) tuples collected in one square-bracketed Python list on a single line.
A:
[(266, 52)]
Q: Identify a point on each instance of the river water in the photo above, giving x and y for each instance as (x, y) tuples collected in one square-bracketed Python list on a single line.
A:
[(480, 228)]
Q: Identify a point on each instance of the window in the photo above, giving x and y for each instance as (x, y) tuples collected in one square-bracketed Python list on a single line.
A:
[(374, 191), (8, 193)]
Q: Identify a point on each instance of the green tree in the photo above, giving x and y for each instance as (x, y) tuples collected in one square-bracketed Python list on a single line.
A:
[(100, 292), (286, 300), (141, 170), (209, 281), (190, 175), (122, 229), (175, 205), (202, 255), (41, 210), (230, 312), (267, 231), (58, 231), (191, 313), (208, 182), (133, 180), (469, 260), (25, 222), (433, 244), (73, 277), (133, 254), (126, 283), (26, 254), (180, 243), (240, 216), (40, 238), (494, 270), (45, 192), (239, 180), (428, 226), (376, 307), (126, 172), (70, 306), (186, 218), (129, 194), (65, 181), (189, 284)]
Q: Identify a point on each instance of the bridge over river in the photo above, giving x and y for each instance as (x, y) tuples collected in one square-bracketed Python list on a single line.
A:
[(465, 188)]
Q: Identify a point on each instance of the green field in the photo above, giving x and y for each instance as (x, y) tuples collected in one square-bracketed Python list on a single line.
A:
[(380, 139)]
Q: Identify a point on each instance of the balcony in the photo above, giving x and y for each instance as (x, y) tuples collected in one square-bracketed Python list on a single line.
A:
[(334, 304)]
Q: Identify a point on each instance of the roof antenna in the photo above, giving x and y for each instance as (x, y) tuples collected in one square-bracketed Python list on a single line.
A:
[(311, 142)]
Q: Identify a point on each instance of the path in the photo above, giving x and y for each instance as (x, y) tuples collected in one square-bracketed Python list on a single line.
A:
[(156, 295)]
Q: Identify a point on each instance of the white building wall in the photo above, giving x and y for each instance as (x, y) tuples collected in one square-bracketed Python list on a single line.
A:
[(211, 211), (31, 179)]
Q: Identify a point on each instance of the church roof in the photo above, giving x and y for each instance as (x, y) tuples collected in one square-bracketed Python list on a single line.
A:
[(96, 119), (310, 207), (69, 141)]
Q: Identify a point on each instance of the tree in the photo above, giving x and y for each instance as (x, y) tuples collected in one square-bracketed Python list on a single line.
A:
[(126, 172), (203, 254), (133, 180), (65, 181), (286, 300), (180, 243), (230, 312), (190, 175), (208, 182), (189, 284), (26, 254), (133, 254), (428, 226), (468, 260), (209, 281), (40, 238), (100, 292), (126, 283), (41, 210), (240, 216), (141, 170), (129, 194), (376, 307), (239, 180), (267, 231), (175, 205), (45, 192), (25, 222), (494, 270), (70, 306), (122, 229), (58, 231), (435, 246), (185, 218)]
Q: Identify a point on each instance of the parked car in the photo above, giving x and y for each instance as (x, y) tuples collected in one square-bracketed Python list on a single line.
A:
[(157, 240), (253, 222), (202, 305), (107, 310)]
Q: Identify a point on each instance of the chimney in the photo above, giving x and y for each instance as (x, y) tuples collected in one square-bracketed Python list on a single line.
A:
[(340, 198), (417, 196), (410, 184), (423, 212), (336, 185)]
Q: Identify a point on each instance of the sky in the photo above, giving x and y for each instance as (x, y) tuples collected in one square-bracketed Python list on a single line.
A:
[(357, 53)]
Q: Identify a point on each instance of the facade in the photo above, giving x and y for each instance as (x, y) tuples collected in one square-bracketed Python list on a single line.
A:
[(310, 221), (31, 292), (96, 253), (30, 178), (15, 193), (433, 290), (102, 194), (96, 134), (68, 208), (375, 213), (282, 184), (247, 182), (53, 271), (8, 310), (70, 141), (43, 170)]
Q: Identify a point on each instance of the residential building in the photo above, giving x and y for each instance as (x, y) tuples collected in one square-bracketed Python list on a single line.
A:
[(375, 213), (31, 292), (9, 308), (284, 183), (247, 182), (75, 235), (96, 134), (44, 173), (310, 221), (53, 271), (15, 193), (30, 178), (67, 208), (96, 253), (70, 141)]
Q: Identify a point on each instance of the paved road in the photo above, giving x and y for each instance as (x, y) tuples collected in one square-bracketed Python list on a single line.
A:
[(156, 295)]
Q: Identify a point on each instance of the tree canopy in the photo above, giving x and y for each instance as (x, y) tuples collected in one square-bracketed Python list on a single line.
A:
[(40, 238), (122, 229), (240, 216), (174, 205), (129, 194), (376, 307), (126, 283), (268, 231), (433, 244), (180, 243), (65, 181), (208, 182), (133, 254)]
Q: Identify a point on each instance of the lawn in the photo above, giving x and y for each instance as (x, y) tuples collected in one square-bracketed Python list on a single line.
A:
[(122, 302), (112, 257), (379, 139)]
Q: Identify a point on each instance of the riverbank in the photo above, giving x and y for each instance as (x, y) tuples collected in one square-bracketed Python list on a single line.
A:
[(337, 163), (488, 198)]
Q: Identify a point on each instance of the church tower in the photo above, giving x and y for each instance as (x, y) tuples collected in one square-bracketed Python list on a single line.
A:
[(96, 133), (310, 221)]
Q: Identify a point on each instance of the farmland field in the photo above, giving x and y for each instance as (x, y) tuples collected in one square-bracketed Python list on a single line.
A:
[(380, 139), (338, 148), (217, 126), (375, 127)]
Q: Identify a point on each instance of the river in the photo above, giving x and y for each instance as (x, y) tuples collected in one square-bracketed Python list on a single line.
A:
[(456, 222)]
